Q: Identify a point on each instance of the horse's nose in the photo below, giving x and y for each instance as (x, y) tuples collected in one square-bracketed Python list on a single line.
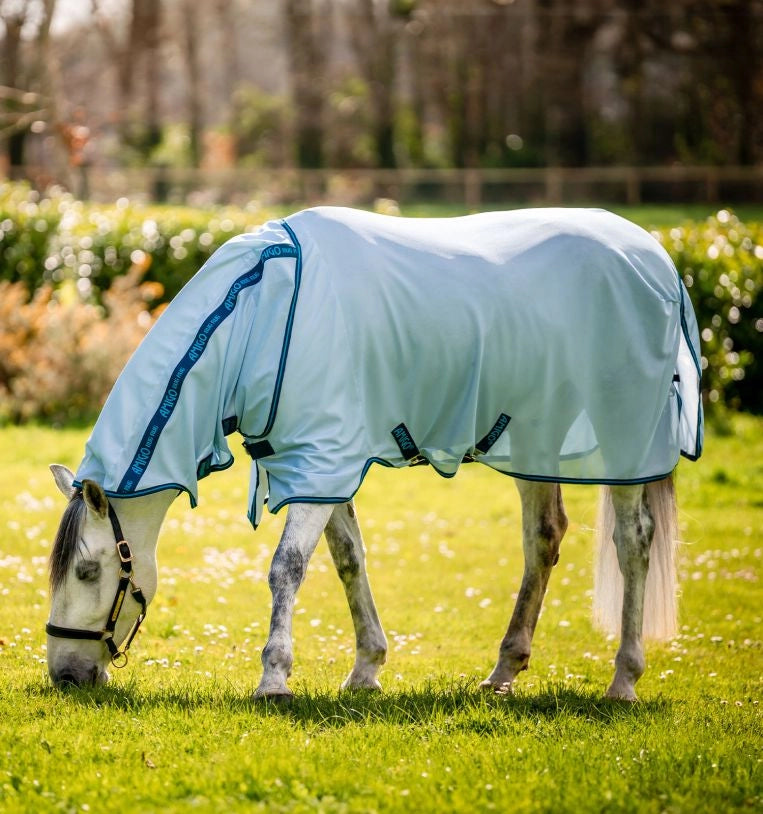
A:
[(76, 676), (66, 677)]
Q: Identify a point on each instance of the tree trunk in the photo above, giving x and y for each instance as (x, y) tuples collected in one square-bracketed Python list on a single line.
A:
[(190, 10), (307, 71)]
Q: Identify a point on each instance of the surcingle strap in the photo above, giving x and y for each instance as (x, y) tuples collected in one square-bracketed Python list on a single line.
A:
[(500, 425), (408, 448), (258, 449)]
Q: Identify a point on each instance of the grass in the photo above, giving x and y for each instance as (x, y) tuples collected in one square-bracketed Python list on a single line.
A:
[(649, 216), (177, 730)]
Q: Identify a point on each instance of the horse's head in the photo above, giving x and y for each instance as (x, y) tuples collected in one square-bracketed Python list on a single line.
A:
[(102, 575)]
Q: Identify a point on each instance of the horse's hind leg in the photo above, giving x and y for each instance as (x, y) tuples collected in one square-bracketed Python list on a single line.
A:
[(347, 551), (304, 525), (543, 526), (634, 529)]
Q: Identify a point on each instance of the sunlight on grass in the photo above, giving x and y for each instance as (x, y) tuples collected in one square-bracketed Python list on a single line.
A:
[(177, 728)]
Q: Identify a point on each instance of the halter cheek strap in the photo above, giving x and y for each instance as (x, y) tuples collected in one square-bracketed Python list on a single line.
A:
[(106, 635)]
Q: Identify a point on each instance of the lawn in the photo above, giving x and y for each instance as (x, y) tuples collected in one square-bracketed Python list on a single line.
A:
[(176, 730), (649, 216)]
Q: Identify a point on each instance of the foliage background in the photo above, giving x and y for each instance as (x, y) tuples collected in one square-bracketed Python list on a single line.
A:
[(72, 308)]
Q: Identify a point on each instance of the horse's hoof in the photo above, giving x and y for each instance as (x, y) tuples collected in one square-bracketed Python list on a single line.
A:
[(627, 694), (504, 688), (277, 696), (361, 686)]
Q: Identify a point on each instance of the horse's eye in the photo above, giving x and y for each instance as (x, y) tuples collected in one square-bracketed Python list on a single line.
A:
[(88, 570)]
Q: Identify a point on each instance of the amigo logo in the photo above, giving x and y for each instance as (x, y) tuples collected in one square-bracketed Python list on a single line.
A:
[(279, 251), (254, 276), (140, 462), (404, 440), (168, 403), (494, 434), (499, 427), (171, 396)]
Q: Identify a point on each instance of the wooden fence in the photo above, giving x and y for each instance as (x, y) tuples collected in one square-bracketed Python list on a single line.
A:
[(468, 188)]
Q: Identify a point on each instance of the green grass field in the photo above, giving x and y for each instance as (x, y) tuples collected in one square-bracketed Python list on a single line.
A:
[(649, 216), (176, 730)]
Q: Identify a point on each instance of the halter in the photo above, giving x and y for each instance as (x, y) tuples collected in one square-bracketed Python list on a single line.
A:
[(118, 654)]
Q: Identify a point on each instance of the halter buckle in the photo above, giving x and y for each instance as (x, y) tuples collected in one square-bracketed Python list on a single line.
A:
[(124, 551)]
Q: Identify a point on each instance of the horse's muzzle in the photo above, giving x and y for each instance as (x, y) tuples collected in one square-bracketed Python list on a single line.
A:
[(78, 674)]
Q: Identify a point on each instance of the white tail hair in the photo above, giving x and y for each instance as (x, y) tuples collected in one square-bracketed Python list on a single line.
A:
[(660, 600)]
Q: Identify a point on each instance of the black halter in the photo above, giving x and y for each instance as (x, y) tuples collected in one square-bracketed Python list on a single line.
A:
[(118, 654)]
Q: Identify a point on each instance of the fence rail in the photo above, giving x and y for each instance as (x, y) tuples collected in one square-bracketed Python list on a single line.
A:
[(471, 188)]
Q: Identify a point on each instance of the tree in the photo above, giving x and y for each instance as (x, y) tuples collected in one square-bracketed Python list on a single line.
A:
[(189, 11), (307, 33), (133, 48), (375, 30), (26, 94)]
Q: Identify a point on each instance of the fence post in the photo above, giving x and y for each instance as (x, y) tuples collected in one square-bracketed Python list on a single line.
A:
[(472, 188), (553, 184), (632, 187)]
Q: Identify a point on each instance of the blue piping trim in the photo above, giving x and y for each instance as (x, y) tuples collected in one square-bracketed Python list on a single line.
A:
[(287, 334), (542, 479), (152, 491), (147, 445), (698, 366)]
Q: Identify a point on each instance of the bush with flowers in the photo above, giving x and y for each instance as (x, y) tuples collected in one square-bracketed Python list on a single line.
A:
[(79, 284)]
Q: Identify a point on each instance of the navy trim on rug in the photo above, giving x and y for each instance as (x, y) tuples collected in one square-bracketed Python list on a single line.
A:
[(287, 334), (195, 351), (698, 366), (541, 479)]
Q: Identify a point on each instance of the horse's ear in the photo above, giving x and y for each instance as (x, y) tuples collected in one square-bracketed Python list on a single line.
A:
[(64, 478), (95, 498)]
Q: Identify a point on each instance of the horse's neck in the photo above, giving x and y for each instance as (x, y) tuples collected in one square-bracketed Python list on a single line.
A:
[(142, 517)]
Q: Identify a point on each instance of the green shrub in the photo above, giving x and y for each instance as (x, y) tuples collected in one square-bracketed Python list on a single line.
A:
[(59, 356), (51, 240), (60, 242), (28, 225), (721, 261)]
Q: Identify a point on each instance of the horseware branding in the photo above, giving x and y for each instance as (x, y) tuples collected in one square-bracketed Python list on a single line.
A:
[(435, 321), (572, 326), (404, 441), (487, 442), (145, 450)]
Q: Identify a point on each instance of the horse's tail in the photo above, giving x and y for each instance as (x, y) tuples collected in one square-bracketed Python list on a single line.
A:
[(660, 601)]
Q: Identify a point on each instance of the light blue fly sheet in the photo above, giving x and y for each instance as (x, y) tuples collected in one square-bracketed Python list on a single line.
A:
[(550, 344)]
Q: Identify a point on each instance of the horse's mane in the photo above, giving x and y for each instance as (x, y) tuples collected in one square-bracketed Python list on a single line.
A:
[(67, 539)]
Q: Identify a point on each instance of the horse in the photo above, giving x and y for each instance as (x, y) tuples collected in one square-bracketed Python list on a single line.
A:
[(553, 345)]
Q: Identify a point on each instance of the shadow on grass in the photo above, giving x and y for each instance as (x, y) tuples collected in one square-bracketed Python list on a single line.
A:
[(443, 704)]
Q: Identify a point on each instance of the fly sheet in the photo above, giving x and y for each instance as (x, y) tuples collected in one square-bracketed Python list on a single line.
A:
[(549, 344)]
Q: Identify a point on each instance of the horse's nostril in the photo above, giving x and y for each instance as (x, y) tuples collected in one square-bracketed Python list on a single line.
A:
[(66, 678)]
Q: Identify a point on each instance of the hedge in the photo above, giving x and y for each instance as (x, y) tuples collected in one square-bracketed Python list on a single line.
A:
[(57, 241)]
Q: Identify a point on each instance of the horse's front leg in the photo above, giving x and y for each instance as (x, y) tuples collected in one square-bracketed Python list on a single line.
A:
[(634, 529), (543, 526), (347, 551), (304, 524)]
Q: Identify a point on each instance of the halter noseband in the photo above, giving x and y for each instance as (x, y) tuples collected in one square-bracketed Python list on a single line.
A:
[(118, 654)]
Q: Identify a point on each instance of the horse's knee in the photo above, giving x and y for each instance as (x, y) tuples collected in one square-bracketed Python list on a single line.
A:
[(551, 528), (345, 558), (287, 570), (544, 520)]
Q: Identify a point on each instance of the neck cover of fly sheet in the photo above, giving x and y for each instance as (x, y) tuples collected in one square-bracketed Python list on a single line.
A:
[(549, 344)]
